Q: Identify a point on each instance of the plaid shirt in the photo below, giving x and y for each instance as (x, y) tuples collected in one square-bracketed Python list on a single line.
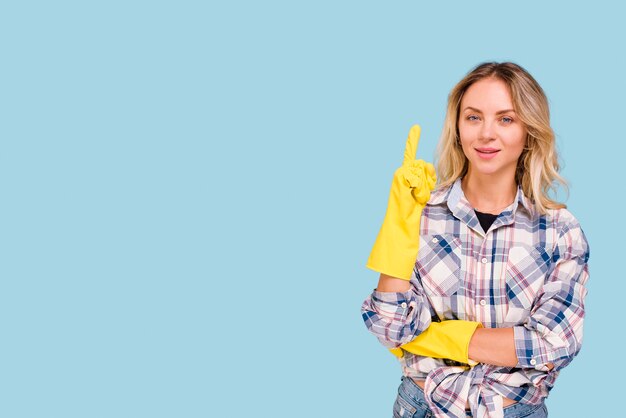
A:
[(527, 272)]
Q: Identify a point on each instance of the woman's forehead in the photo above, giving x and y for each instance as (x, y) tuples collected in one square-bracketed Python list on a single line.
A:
[(488, 94)]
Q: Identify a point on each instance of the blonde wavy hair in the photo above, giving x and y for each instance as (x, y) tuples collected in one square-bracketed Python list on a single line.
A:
[(538, 167)]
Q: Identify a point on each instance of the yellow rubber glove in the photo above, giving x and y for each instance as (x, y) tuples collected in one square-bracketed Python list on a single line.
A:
[(395, 250), (447, 339)]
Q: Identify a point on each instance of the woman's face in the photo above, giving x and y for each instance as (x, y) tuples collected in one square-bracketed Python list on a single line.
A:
[(492, 136)]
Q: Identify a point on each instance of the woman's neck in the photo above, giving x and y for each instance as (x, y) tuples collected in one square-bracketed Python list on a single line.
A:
[(488, 194)]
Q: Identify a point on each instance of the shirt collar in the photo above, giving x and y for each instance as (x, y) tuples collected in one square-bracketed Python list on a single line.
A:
[(460, 207)]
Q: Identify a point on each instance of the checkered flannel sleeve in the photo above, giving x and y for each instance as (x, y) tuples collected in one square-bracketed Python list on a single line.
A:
[(553, 332), (396, 318)]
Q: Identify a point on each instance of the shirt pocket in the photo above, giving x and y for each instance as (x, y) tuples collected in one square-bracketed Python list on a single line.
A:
[(526, 271), (439, 264)]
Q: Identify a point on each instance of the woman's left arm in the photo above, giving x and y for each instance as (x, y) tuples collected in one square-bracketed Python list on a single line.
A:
[(493, 346), (552, 335)]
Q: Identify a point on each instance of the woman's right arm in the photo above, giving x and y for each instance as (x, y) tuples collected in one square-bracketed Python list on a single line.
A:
[(396, 311), (392, 284)]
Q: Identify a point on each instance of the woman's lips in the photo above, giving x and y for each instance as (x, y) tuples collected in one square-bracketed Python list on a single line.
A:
[(487, 153)]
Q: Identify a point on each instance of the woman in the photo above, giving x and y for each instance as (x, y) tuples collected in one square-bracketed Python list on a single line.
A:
[(491, 308)]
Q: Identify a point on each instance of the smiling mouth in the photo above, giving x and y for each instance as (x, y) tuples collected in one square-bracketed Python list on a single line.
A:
[(487, 153)]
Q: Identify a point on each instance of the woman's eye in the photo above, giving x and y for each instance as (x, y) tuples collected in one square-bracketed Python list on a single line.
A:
[(507, 119), (472, 117)]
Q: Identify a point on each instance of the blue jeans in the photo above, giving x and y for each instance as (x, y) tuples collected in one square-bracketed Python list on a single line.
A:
[(411, 403)]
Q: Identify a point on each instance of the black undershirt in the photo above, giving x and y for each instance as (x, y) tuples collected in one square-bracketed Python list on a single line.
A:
[(485, 219)]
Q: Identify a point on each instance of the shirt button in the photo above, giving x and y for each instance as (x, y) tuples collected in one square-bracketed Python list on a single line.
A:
[(435, 240), (533, 361), (403, 304), (484, 260), (483, 302)]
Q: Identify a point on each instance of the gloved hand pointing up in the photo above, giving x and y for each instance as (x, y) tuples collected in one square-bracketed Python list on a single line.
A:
[(395, 250)]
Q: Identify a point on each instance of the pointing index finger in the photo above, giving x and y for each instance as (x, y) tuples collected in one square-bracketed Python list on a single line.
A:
[(410, 152)]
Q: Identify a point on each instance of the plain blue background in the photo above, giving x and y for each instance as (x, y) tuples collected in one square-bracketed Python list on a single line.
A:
[(190, 192)]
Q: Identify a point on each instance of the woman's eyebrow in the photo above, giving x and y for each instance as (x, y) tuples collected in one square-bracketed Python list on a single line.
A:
[(480, 111)]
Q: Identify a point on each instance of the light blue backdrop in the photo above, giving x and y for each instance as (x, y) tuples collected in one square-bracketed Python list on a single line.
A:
[(190, 191)]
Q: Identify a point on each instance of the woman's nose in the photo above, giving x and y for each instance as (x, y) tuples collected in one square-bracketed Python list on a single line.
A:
[(487, 130)]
